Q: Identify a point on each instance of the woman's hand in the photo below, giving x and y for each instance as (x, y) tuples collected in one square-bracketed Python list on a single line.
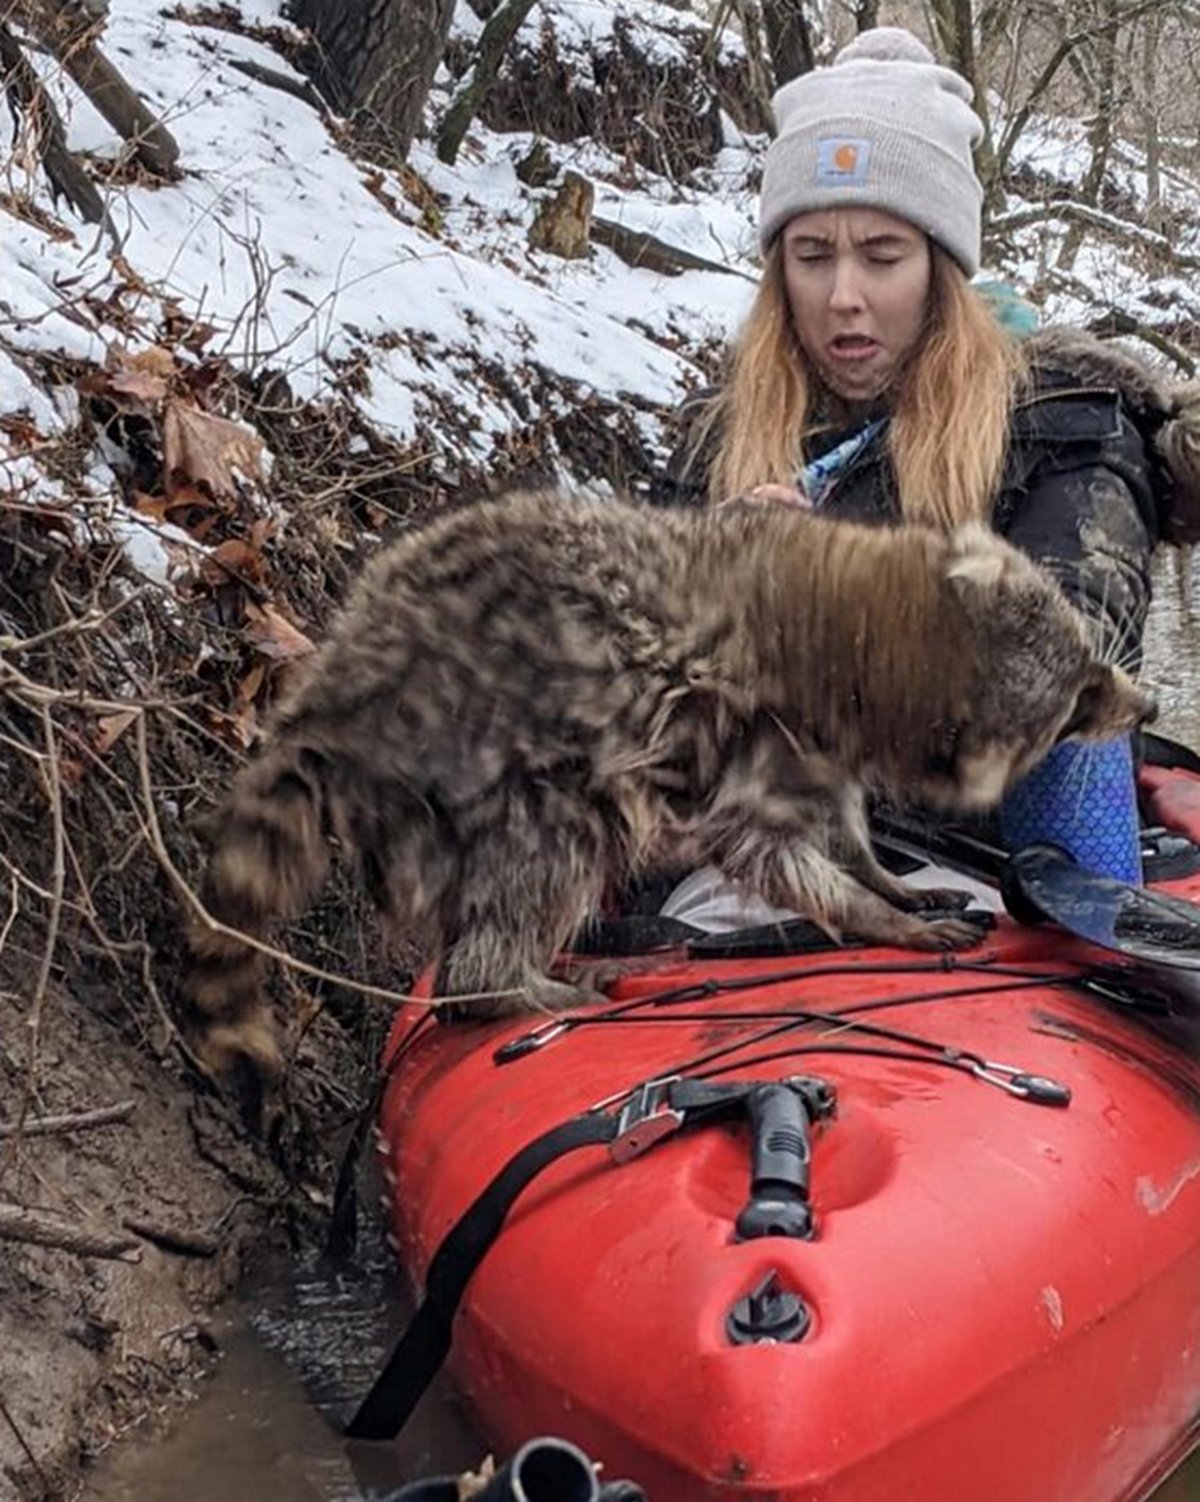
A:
[(773, 495)]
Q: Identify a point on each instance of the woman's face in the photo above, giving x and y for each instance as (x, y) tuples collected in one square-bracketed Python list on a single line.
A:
[(858, 284)]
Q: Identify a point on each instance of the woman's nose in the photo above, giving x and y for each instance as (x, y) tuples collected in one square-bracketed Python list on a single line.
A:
[(846, 292)]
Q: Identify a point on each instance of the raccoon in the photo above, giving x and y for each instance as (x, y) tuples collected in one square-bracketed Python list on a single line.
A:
[(531, 700)]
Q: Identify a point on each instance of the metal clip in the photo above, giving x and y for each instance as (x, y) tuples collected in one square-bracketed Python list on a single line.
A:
[(646, 1118), (1038, 1088), (538, 1037)]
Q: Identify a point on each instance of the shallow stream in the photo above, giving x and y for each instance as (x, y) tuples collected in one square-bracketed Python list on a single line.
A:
[(310, 1344)]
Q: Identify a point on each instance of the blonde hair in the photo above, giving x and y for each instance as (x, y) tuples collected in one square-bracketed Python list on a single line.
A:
[(949, 426)]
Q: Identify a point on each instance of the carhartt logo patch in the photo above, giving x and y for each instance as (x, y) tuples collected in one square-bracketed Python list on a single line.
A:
[(842, 160)]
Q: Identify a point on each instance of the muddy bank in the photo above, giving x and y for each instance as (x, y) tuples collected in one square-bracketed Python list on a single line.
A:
[(91, 1345)]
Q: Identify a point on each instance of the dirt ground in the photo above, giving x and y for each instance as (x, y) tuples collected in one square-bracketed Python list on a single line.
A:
[(90, 1346)]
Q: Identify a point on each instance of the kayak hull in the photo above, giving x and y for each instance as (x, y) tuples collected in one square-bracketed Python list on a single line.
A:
[(1004, 1296)]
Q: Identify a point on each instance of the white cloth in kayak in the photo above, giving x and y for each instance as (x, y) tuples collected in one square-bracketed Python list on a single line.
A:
[(710, 901)]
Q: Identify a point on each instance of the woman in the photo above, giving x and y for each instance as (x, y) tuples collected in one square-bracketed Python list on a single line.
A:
[(872, 381)]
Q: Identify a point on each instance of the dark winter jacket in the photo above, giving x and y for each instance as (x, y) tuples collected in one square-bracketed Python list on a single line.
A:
[(1103, 461)]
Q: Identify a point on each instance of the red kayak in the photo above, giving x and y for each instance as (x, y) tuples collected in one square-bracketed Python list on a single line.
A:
[(983, 1287)]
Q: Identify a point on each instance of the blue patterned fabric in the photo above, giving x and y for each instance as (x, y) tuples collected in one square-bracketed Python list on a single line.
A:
[(1082, 798), (818, 476)]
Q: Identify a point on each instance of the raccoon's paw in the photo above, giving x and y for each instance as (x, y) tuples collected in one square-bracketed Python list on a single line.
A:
[(944, 933), (874, 921)]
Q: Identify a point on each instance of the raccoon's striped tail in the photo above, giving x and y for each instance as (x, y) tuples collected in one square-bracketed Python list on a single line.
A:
[(268, 861)]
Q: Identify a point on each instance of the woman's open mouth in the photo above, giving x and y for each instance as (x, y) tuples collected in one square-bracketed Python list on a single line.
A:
[(853, 346)]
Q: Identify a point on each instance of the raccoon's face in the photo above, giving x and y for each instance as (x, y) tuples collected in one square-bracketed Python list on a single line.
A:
[(1036, 679)]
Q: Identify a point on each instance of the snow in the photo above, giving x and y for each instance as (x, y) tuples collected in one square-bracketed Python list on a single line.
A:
[(275, 236), (310, 263)]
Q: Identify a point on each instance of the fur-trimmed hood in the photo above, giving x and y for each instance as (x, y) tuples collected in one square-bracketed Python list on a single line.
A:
[(1165, 410)]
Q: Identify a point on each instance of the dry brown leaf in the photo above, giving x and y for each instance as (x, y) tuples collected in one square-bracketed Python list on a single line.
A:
[(235, 730), (236, 559), (186, 507), (147, 389), (247, 689), (110, 728), (20, 430), (153, 506), (205, 450), (146, 376), (275, 636)]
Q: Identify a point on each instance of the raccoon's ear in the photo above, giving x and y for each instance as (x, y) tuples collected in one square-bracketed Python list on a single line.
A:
[(976, 558), (982, 570)]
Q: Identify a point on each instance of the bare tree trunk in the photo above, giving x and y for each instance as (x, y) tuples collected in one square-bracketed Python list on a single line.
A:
[(758, 64), (789, 39), (70, 33), (1100, 133), (377, 60), (65, 172), (866, 14), (494, 42), (954, 21), (1151, 41)]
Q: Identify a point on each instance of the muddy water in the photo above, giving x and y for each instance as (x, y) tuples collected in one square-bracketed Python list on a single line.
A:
[(296, 1356), (301, 1351)]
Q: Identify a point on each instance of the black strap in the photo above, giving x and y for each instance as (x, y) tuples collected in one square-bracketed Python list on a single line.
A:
[(424, 1345), (652, 1110), (1158, 751)]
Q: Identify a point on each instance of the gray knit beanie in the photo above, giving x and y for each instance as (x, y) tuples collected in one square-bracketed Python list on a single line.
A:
[(884, 127)]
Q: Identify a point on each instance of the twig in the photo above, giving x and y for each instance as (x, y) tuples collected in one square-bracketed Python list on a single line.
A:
[(21, 1440), (19, 1224), (35, 694), (58, 880), (14, 907), (79, 1121), (91, 621)]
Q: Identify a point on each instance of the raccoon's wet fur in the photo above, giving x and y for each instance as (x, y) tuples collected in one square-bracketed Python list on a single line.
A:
[(528, 701)]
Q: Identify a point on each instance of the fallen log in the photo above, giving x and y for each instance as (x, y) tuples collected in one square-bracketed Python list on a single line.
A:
[(20, 1224)]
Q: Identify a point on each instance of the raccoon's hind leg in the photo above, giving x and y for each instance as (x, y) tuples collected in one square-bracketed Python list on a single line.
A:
[(269, 860), (532, 870)]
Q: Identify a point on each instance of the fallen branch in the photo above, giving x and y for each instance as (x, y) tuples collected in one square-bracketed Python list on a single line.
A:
[(639, 249), (273, 78), (1089, 218), (19, 1224), (79, 1121), (171, 1239)]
